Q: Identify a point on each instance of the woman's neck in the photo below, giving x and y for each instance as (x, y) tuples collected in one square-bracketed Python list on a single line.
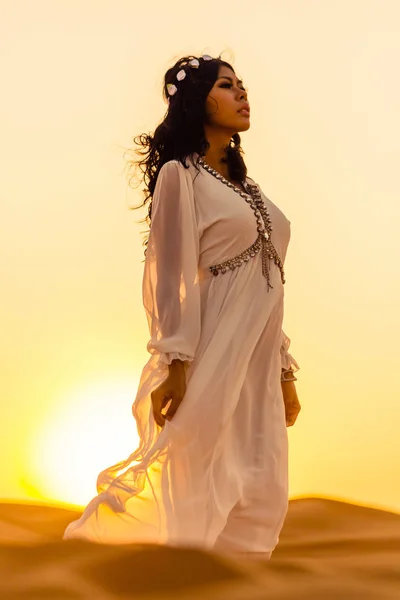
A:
[(216, 161)]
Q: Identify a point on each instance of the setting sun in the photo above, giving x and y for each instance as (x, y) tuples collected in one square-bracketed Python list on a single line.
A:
[(90, 430)]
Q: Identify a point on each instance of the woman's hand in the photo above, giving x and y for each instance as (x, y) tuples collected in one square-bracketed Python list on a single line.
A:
[(292, 404), (172, 389)]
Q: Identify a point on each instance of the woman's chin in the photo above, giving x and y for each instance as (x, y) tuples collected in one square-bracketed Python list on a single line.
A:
[(244, 125)]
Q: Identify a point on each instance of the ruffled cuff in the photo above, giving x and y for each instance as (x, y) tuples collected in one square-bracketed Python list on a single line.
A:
[(287, 360), (168, 357)]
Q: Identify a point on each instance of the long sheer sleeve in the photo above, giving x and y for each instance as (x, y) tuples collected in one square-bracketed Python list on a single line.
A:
[(171, 294), (287, 360)]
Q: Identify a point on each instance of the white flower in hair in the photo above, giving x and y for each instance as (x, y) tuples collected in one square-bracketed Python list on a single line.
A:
[(194, 63), (172, 89)]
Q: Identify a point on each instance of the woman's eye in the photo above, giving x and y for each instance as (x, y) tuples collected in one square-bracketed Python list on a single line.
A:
[(230, 85)]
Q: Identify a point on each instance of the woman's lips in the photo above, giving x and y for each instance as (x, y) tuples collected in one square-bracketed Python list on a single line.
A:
[(244, 112)]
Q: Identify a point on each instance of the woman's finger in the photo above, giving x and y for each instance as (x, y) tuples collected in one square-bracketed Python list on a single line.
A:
[(158, 417), (172, 408), (159, 420), (158, 401), (291, 417)]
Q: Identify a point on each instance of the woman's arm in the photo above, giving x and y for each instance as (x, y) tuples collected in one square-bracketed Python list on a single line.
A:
[(171, 294)]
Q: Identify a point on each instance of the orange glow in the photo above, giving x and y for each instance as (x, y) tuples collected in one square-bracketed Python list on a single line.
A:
[(89, 431), (79, 80)]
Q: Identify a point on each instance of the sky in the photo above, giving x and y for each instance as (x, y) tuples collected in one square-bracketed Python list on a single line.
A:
[(80, 79)]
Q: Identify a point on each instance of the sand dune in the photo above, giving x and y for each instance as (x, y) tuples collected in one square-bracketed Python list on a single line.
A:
[(328, 551)]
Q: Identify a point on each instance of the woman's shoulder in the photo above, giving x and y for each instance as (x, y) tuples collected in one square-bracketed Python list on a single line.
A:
[(173, 165), (176, 167)]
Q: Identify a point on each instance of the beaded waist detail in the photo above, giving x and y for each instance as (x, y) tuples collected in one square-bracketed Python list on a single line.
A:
[(238, 260)]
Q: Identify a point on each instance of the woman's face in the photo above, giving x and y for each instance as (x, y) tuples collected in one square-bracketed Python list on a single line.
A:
[(225, 102)]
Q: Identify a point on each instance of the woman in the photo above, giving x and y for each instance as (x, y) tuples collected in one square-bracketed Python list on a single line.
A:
[(218, 391)]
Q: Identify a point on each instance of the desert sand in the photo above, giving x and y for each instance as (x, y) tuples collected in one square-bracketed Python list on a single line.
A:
[(328, 550)]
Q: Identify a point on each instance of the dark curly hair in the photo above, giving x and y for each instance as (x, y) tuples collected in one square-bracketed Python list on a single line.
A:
[(181, 131)]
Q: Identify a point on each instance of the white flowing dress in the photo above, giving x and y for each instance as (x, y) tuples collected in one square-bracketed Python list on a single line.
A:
[(216, 475)]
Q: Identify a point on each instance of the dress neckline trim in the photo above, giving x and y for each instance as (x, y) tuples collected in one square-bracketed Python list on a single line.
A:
[(223, 179)]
